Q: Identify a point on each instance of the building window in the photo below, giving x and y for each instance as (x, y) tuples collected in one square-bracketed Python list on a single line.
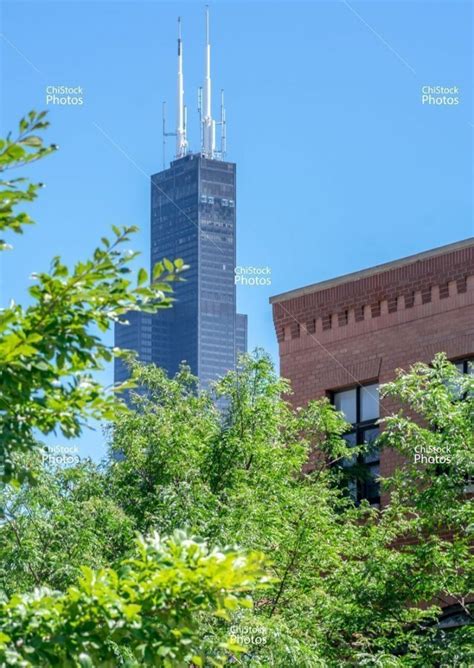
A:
[(465, 366), (360, 406)]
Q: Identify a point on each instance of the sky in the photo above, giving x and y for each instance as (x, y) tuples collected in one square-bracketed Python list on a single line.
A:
[(340, 166)]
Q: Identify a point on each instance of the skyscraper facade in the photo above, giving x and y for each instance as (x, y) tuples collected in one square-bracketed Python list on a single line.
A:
[(193, 217)]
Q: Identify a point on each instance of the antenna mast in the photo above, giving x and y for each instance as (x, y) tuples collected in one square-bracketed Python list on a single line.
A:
[(208, 125), (181, 142), (181, 111)]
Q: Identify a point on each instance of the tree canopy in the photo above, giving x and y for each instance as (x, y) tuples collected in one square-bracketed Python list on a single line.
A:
[(57, 524), (220, 528)]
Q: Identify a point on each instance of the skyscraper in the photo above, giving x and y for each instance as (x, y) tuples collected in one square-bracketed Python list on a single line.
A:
[(193, 216)]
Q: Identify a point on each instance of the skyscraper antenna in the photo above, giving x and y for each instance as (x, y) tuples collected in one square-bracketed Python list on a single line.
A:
[(181, 112), (181, 141), (208, 125)]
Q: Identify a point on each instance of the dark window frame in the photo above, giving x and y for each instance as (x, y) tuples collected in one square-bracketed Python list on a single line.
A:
[(465, 361), (467, 369), (359, 428)]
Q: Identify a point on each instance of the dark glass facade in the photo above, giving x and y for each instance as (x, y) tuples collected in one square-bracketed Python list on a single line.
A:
[(193, 217), (240, 335)]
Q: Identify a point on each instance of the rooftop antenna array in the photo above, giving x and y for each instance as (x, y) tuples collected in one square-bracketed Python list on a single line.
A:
[(207, 123)]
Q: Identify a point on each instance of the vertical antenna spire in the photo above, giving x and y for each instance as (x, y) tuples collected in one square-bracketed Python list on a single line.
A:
[(208, 125), (181, 141)]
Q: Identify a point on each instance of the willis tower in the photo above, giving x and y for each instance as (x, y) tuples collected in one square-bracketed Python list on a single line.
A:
[(193, 217)]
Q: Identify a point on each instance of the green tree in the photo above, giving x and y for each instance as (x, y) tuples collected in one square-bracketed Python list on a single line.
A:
[(158, 452), (353, 585), (151, 608), (52, 528), (350, 584), (148, 612), (239, 477), (49, 350)]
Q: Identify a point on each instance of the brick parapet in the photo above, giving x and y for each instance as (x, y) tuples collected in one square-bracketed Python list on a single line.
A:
[(366, 302)]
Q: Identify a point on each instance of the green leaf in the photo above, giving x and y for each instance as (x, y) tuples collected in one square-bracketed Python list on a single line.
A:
[(142, 276), (32, 140)]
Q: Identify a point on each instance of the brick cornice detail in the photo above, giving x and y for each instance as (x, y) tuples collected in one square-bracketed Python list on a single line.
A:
[(437, 284)]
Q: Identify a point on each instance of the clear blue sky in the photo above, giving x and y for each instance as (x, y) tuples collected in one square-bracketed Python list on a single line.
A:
[(340, 166)]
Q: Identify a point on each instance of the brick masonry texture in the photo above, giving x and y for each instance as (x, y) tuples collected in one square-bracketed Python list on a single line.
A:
[(368, 327)]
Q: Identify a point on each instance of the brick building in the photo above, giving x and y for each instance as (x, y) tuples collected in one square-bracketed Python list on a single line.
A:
[(342, 337)]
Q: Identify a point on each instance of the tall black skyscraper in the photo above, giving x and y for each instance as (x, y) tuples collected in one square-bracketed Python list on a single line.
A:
[(193, 217)]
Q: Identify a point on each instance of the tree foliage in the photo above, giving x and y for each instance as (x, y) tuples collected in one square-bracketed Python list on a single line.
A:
[(149, 609), (148, 612), (341, 584), (24, 149), (50, 349), (52, 528), (353, 584)]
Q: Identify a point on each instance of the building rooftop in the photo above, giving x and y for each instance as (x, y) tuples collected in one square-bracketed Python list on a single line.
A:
[(377, 269)]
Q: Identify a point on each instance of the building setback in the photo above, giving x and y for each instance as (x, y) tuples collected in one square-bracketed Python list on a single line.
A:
[(342, 337)]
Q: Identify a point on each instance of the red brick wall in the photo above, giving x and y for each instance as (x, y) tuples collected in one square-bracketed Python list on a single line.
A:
[(366, 328)]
